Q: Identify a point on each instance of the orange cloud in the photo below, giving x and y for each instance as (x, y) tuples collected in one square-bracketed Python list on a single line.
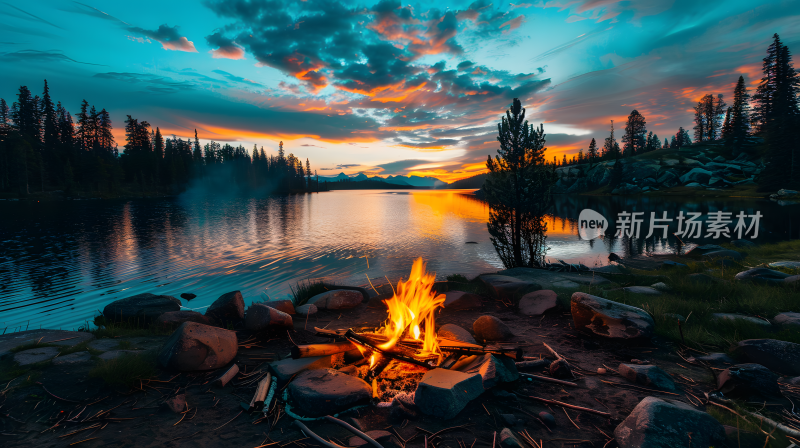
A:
[(229, 52)]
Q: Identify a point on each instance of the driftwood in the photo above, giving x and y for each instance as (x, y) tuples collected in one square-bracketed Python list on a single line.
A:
[(307, 351), (227, 376), (261, 392)]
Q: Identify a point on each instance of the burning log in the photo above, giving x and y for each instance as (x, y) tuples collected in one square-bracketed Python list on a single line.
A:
[(367, 343), (307, 351)]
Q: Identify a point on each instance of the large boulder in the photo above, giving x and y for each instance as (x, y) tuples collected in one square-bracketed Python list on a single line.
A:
[(788, 320), (658, 423), (315, 393), (460, 300), (261, 317), (647, 375), (505, 287), (172, 319), (610, 319), (196, 346), (337, 299), (444, 393), (732, 317), (287, 306), (285, 369), (35, 355), (696, 175), (228, 309), (142, 309), (490, 328), (732, 254), (538, 302), (456, 333), (780, 356)]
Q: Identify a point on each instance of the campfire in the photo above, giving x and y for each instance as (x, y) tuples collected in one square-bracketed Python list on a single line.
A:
[(407, 344)]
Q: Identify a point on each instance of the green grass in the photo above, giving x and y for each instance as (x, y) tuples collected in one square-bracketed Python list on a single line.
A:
[(302, 292), (29, 346), (127, 369), (750, 425)]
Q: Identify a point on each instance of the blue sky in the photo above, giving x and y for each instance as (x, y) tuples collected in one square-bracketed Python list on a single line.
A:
[(388, 87)]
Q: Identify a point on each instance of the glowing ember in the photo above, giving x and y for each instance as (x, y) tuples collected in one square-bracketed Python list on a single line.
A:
[(411, 309)]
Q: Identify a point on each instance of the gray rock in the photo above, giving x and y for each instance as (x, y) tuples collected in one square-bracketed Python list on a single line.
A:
[(791, 280), (788, 320), (560, 368), (307, 309), (460, 300), (745, 380), (172, 319), (785, 264), (261, 317), (228, 309), (62, 338), (661, 286), (784, 192), (538, 302), (719, 159), (104, 345), (176, 404), (72, 358), (285, 369), (696, 175), (34, 355), (490, 328), (454, 332), (740, 318), (337, 299), (762, 275), (795, 381), (642, 290), (610, 319), (780, 356), (444, 393), (509, 288), (658, 423), (509, 440), (141, 308), (114, 354), (285, 306), (647, 375), (315, 393), (732, 254), (493, 370), (743, 244), (196, 346), (548, 419)]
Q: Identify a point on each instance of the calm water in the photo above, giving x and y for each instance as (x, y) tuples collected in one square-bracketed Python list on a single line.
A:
[(62, 262)]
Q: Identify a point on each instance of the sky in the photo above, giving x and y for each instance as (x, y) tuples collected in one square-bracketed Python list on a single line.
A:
[(389, 87)]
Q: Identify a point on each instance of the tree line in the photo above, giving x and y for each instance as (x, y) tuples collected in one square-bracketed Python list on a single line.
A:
[(767, 127), (43, 148)]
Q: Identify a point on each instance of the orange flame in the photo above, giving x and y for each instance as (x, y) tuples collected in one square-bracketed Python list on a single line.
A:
[(412, 307)]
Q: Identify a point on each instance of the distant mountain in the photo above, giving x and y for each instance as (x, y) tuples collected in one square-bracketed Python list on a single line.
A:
[(468, 183), (414, 181)]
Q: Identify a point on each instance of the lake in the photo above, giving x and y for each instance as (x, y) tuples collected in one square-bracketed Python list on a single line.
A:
[(62, 262)]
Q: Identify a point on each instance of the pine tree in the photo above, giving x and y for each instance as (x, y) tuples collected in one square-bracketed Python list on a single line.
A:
[(700, 129), (726, 125), (517, 189), (105, 134), (739, 121), (715, 112), (197, 154), (610, 146), (634, 133), (666, 144), (84, 132)]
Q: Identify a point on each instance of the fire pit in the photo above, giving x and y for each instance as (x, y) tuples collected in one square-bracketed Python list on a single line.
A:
[(394, 357)]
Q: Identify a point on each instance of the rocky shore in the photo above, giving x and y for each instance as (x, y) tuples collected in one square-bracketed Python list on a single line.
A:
[(594, 373)]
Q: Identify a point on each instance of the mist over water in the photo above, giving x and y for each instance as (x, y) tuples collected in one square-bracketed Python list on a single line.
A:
[(62, 262)]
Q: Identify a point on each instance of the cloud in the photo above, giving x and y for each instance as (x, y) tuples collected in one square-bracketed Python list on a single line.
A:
[(401, 166), (168, 37), (30, 16), (346, 166), (151, 83), (40, 56), (315, 146), (235, 78), (224, 47)]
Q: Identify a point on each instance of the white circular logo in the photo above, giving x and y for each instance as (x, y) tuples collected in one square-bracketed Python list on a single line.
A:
[(591, 224)]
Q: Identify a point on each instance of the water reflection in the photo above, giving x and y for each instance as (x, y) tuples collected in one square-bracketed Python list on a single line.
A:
[(62, 262)]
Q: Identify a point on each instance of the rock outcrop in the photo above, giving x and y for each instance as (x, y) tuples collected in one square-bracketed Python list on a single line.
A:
[(261, 317), (316, 393), (658, 423), (141, 309), (194, 347), (610, 319), (444, 393), (228, 309)]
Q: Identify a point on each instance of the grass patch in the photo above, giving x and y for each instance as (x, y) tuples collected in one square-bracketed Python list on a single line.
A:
[(302, 292), (750, 425), (108, 329), (29, 346), (127, 369)]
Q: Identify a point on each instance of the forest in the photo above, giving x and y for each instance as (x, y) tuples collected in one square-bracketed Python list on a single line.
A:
[(44, 149)]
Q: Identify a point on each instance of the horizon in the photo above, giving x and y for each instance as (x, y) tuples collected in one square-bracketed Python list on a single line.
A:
[(389, 89)]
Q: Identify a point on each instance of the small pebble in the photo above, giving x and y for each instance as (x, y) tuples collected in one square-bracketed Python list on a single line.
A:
[(547, 418), (601, 371), (530, 379)]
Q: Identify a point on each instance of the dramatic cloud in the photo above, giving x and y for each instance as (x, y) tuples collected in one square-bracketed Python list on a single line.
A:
[(224, 47), (168, 37), (26, 15), (40, 56)]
